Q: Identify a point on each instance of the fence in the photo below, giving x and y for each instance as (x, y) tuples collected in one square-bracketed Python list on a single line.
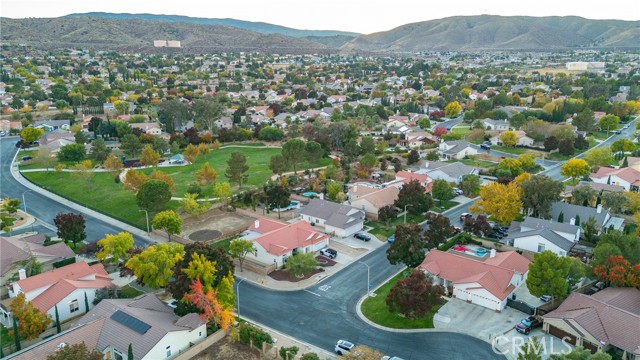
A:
[(520, 306), (199, 347)]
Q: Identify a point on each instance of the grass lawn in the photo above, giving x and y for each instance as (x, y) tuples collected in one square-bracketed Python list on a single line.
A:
[(128, 292), (445, 205), (224, 243), (510, 150), (252, 144), (475, 163), (382, 231), (257, 159), (101, 194), (462, 130), (375, 309)]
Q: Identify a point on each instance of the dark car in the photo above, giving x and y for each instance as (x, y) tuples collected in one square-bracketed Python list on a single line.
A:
[(361, 236), (486, 145), (456, 230), (500, 230), (328, 252), (495, 235), (463, 216), (26, 158), (528, 324)]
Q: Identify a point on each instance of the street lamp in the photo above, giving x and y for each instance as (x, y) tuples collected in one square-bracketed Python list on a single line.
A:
[(405, 212), (24, 203), (368, 278), (146, 213), (238, 293)]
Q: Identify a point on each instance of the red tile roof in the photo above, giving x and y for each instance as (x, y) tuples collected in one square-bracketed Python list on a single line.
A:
[(286, 237), (627, 174), (493, 274)]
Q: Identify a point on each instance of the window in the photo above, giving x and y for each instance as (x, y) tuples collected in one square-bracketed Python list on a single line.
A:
[(117, 355), (540, 247), (561, 253), (169, 351), (73, 306)]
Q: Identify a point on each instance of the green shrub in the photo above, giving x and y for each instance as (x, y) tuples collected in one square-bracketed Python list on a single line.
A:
[(288, 353), (194, 188), (65, 262), (462, 239), (310, 356), (251, 334)]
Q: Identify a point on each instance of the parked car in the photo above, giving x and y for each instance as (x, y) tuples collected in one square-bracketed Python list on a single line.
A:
[(391, 238), (456, 230), (361, 236), (463, 216), (172, 303), (545, 298), (486, 145), (495, 235), (2, 133), (343, 347), (457, 191), (527, 324), (26, 158), (391, 358), (499, 230), (328, 252)]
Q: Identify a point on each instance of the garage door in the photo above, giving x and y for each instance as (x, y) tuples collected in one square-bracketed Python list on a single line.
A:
[(589, 346), (562, 334)]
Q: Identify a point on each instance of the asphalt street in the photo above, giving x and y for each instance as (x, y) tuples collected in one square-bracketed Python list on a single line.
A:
[(326, 312), (44, 208)]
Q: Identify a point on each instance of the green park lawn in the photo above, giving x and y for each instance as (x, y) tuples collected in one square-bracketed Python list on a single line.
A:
[(382, 231), (375, 309)]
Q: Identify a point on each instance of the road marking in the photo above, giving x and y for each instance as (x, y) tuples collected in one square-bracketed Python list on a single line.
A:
[(311, 292), (324, 287)]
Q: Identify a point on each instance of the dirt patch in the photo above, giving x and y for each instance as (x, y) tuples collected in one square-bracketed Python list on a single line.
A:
[(283, 275), (205, 235), (227, 350), (324, 261)]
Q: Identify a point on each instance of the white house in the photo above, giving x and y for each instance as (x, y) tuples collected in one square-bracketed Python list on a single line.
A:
[(491, 124), (151, 128), (451, 172), (275, 241), (485, 280), (628, 177), (148, 324), (339, 219), (372, 200), (538, 235), (457, 149), (64, 287)]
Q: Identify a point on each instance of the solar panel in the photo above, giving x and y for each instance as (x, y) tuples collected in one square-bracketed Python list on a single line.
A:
[(129, 321)]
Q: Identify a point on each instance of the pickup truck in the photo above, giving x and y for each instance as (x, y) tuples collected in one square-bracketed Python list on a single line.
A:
[(527, 324)]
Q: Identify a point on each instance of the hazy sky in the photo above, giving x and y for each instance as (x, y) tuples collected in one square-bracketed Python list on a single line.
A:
[(363, 16)]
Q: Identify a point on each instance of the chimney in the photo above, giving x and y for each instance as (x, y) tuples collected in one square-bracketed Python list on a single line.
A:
[(256, 224), (492, 253), (599, 208), (22, 273), (572, 221)]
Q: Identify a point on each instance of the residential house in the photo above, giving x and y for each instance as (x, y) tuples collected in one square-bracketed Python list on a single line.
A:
[(275, 241), (451, 172), (56, 140), (50, 125), (457, 149), (15, 251), (576, 214), (485, 280), (65, 287), (151, 128), (146, 323), (567, 193), (416, 139), (371, 200), (607, 319), (628, 177), (404, 177), (538, 235), (491, 124), (522, 139), (339, 219)]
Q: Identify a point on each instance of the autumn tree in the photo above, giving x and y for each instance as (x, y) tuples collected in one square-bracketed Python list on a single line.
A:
[(548, 275), (618, 271), (240, 248), (165, 178), (509, 138), (169, 221), (408, 247), (414, 296), (210, 308), (113, 165), (539, 193), (153, 195), (222, 192), (510, 167), (439, 230), (71, 227), (31, 134), (599, 156), (206, 175), (75, 352), (192, 206), (31, 321), (301, 264), (608, 122), (294, 151), (149, 156), (154, 266), (115, 247), (500, 201), (191, 153), (452, 109), (414, 197), (575, 168), (134, 179), (44, 157), (237, 168), (278, 164), (10, 206)]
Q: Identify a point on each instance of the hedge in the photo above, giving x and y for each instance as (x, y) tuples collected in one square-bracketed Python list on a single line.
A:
[(65, 262)]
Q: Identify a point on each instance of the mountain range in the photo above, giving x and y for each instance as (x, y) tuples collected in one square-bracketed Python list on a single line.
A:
[(464, 33)]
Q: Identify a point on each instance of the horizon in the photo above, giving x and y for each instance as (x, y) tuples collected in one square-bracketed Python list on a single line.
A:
[(373, 16)]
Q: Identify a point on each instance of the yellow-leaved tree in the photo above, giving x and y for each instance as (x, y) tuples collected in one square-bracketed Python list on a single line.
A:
[(149, 156), (159, 175), (154, 266), (206, 175), (191, 153), (31, 321), (452, 109), (114, 247), (575, 168), (113, 165), (509, 138), (191, 206), (134, 179), (500, 201)]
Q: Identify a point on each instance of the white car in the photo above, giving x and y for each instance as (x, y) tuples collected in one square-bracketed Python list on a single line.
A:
[(343, 347), (391, 358)]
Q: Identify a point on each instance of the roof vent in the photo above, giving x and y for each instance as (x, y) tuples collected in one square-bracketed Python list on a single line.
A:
[(61, 345)]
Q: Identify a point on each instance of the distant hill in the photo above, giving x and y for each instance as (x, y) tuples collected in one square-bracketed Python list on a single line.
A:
[(490, 32), (261, 27), (102, 33)]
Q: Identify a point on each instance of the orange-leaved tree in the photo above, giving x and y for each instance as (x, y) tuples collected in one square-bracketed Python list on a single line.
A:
[(211, 309)]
